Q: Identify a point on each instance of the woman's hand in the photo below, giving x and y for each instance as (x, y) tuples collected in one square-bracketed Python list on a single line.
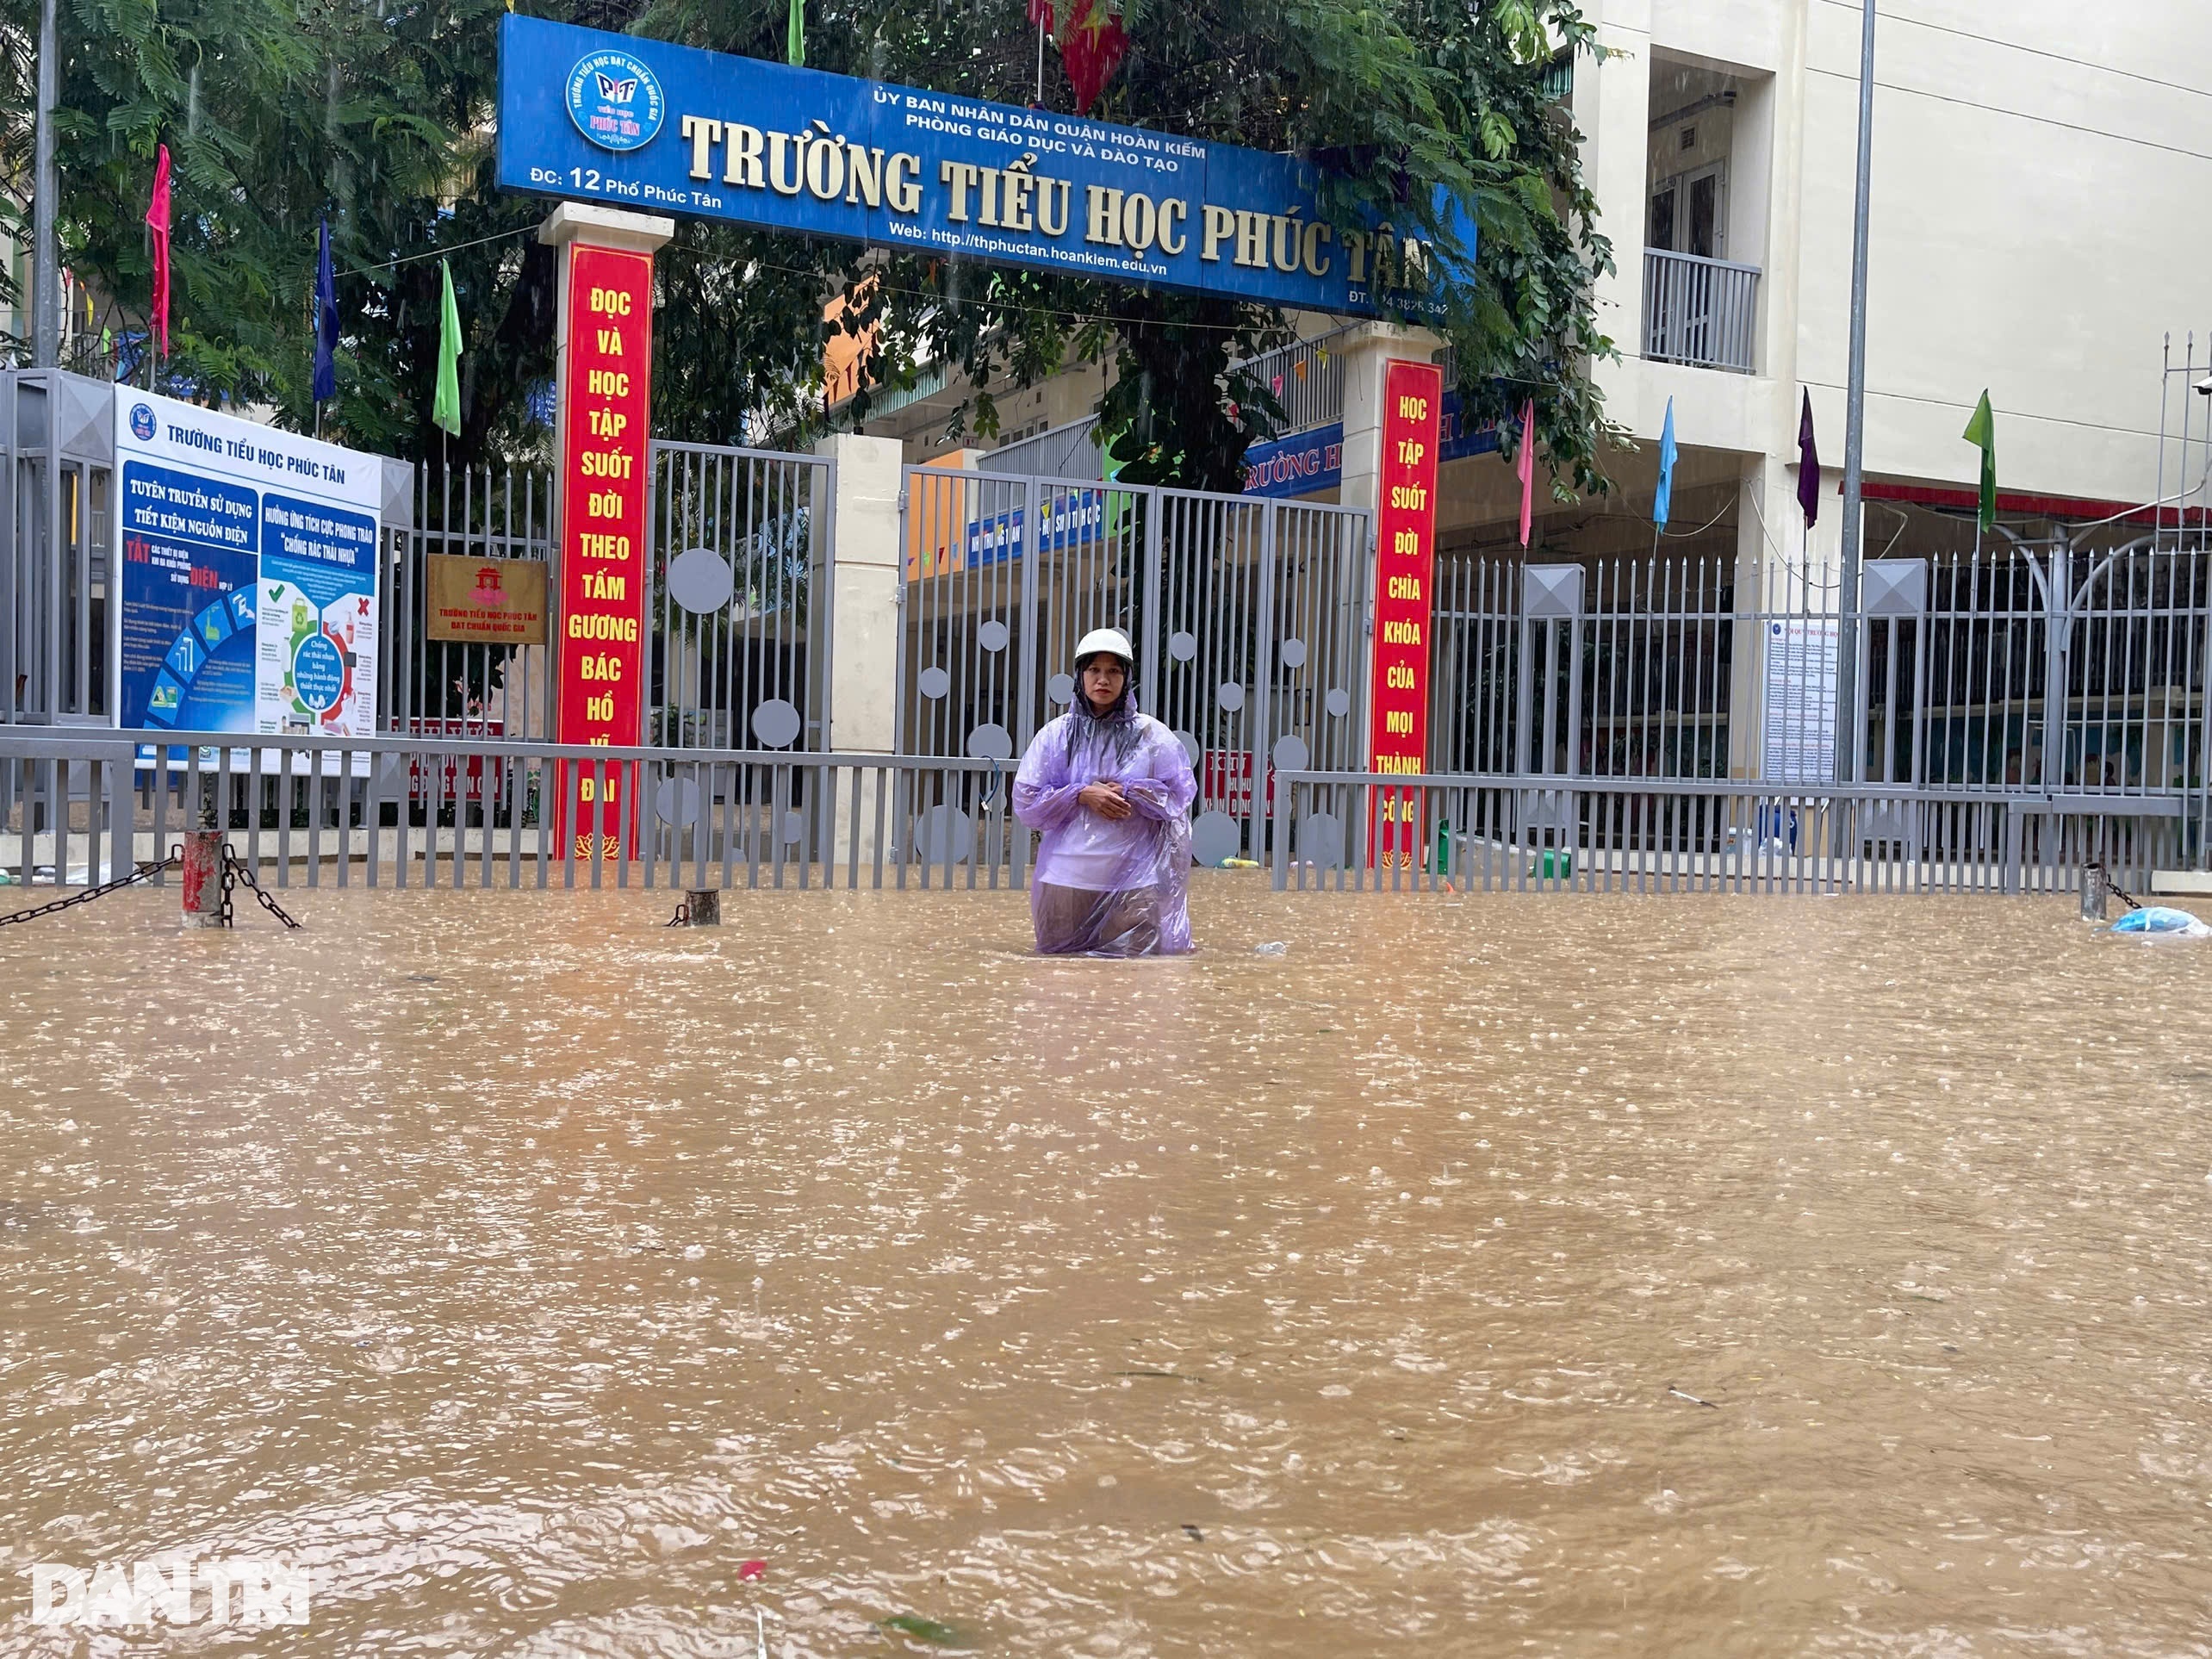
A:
[(1105, 798)]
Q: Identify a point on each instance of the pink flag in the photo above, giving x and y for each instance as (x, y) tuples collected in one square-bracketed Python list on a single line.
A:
[(157, 221), (1526, 468)]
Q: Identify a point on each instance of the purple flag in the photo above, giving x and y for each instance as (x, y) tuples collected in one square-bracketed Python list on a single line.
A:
[(1808, 468)]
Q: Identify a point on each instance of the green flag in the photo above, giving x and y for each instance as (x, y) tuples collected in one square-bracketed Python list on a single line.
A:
[(445, 409), (1981, 432), (795, 35)]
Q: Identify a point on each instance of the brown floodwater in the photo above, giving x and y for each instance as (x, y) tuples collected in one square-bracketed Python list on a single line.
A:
[(525, 1269)]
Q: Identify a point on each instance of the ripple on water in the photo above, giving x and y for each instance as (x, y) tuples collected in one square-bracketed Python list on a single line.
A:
[(1716, 1276)]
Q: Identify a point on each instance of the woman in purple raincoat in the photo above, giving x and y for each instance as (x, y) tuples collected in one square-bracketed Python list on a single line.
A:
[(1110, 790)]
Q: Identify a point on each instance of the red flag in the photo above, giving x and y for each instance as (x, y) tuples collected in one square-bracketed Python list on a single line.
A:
[(1041, 14), (1526, 468), (157, 221), (1093, 50)]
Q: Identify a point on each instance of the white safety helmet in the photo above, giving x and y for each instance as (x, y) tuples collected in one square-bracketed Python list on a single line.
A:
[(1112, 641)]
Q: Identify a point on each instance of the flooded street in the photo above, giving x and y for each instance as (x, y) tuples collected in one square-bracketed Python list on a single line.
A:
[(1538, 1275)]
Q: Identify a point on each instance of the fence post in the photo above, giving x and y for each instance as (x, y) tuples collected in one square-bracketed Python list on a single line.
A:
[(868, 572), (1261, 730), (1279, 858)]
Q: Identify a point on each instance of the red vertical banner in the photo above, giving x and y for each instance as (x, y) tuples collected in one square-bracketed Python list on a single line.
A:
[(600, 665), (1405, 562)]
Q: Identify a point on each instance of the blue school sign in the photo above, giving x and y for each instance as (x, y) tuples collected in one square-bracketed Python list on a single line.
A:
[(1308, 463), (638, 123)]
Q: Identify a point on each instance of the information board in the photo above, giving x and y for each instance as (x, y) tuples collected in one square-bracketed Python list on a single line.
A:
[(248, 594), (1798, 734)]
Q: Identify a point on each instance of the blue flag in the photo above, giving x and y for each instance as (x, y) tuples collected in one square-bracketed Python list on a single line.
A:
[(326, 321), (1663, 503)]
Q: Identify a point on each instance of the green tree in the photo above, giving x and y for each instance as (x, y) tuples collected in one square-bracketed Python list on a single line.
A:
[(1391, 97), (378, 113)]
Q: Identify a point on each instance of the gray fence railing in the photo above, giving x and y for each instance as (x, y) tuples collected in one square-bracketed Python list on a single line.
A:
[(1541, 832), (2006, 669), (740, 550), (79, 807), (1306, 378), (1700, 312)]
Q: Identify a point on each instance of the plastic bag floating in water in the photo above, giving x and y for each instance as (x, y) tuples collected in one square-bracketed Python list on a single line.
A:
[(2157, 919)]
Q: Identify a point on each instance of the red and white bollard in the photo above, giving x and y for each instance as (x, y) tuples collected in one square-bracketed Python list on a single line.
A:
[(204, 876)]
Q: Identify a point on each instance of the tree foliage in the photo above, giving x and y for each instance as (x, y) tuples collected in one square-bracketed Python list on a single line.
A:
[(378, 113)]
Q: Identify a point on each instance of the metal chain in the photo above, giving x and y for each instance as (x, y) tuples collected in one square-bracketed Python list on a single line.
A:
[(143, 872), (233, 869), (2095, 871)]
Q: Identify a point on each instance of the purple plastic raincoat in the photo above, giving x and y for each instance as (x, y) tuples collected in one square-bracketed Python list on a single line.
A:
[(1102, 886)]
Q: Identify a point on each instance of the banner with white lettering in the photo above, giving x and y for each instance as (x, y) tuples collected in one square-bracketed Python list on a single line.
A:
[(644, 124)]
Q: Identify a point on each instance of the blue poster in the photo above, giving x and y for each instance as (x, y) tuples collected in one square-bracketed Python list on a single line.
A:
[(191, 552), (643, 124), (249, 562)]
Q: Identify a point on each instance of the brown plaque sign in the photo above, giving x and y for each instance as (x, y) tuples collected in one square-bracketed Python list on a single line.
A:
[(487, 602)]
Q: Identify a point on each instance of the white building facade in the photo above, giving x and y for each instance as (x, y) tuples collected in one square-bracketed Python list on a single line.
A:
[(2032, 233)]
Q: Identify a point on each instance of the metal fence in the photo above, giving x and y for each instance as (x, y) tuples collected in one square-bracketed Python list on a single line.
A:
[(1633, 667), (57, 466), (741, 546), (1248, 617), (441, 687), (1700, 312), (1534, 833), (2006, 669), (86, 806), (1306, 378), (473, 812), (738, 553), (1072, 451)]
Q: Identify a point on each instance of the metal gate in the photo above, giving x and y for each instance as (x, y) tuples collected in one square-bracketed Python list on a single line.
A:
[(737, 544), (740, 547), (1627, 668), (1248, 617), (452, 689)]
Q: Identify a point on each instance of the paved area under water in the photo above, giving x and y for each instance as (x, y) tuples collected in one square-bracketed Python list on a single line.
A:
[(1531, 1275)]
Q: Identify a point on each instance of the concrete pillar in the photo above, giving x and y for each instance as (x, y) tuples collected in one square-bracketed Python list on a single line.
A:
[(868, 572), (1367, 351), (867, 582), (1612, 106), (603, 351)]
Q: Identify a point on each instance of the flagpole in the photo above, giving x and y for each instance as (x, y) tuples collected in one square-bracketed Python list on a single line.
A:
[(46, 265), (1040, 59), (1854, 430)]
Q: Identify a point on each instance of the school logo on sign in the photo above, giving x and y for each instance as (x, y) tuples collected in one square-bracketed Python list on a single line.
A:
[(141, 423), (615, 100)]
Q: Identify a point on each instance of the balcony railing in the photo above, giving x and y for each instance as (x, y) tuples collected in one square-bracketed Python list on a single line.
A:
[(1701, 312), (1306, 378)]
